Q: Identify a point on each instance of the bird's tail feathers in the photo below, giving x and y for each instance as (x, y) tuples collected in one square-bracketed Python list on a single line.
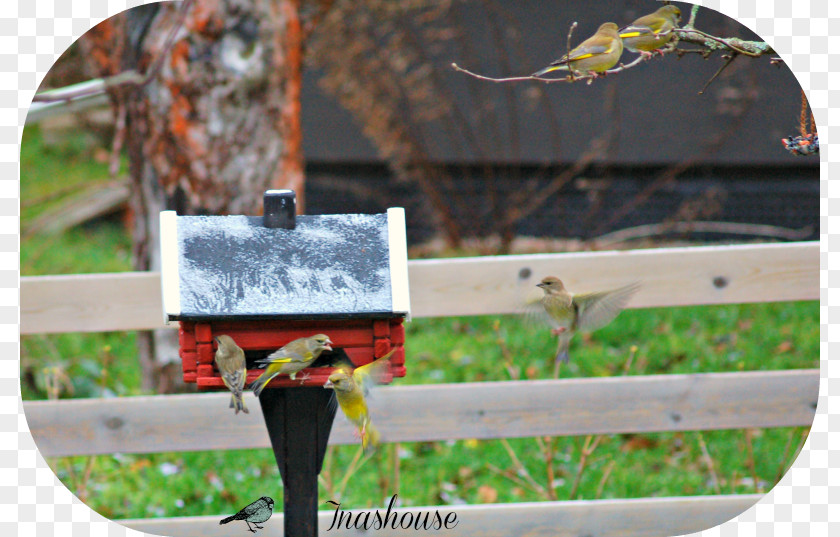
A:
[(262, 381), (237, 403), (551, 68), (562, 350), (371, 439), (228, 519)]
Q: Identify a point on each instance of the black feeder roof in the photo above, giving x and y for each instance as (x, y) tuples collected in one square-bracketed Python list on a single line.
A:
[(327, 267)]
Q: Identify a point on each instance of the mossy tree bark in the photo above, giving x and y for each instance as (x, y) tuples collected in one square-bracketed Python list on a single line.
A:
[(215, 125)]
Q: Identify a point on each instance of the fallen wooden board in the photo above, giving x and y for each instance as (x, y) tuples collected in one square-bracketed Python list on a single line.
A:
[(471, 286), (608, 405), (645, 517)]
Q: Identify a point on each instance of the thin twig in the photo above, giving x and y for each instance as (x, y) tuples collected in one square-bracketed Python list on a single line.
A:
[(751, 458), (588, 448), (325, 477), (518, 481), (702, 226), (571, 78), (694, 9), (351, 469), (607, 471), (729, 59), (548, 457), (687, 35), (710, 464), (506, 354), (126, 78), (629, 362), (783, 464), (395, 468), (569, 49), (521, 470)]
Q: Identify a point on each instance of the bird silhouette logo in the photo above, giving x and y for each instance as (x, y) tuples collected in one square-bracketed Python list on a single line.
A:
[(254, 513)]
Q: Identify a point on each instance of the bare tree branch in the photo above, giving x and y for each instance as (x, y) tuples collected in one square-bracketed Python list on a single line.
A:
[(686, 34), (126, 78)]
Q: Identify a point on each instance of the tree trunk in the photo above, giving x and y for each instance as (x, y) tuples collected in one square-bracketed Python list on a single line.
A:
[(215, 125)]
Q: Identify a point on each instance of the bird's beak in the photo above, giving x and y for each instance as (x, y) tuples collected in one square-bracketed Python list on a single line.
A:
[(216, 339), (329, 384), (540, 284), (327, 345)]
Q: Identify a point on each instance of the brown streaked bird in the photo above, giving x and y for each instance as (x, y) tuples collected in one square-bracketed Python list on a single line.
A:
[(230, 359), (581, 311)]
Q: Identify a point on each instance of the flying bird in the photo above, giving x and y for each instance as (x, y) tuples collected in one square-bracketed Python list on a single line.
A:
[(351, 388), (580, 311)]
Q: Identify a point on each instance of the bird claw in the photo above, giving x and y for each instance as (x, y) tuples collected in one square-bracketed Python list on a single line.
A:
[(558, 331), (304, 378)]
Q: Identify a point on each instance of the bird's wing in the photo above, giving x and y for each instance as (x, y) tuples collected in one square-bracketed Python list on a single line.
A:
[(252, 508), (635, 31), (647, 25), (597, 309), (373, 373), (284, 356), (237, 380), (532, 310), (583, 51)]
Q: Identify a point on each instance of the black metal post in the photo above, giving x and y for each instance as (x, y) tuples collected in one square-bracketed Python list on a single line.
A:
[(299, 422)]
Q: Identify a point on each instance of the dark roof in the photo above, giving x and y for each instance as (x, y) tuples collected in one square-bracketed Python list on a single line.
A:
[(330, 266)]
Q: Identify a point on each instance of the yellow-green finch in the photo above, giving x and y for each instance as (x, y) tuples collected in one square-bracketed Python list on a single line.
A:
[(351, 389), (581, 311), (290, 359), (647, 34), (230, 359), (595, 55)]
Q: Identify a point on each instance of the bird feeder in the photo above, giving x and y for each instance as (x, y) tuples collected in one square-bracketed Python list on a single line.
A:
[(267, 280)]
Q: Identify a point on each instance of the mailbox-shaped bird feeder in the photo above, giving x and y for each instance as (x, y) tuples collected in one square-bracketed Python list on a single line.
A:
[(268, 280)]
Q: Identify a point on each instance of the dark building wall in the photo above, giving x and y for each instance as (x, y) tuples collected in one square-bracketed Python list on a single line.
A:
[(661, 116), (730, 134), (779, 196)]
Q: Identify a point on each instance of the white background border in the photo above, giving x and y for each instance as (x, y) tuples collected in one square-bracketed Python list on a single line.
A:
[(33, 35)]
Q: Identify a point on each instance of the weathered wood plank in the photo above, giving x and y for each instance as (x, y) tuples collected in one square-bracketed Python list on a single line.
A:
[(646, 517), (669, 277), (471, 286), (445, 411), (90, 303)]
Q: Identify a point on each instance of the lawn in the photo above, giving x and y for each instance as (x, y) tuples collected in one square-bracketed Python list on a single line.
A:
[(464, 349)]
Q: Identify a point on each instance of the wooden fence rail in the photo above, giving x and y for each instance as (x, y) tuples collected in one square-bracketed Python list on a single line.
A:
[(471, 286), (480, 410), (467, 286), (646, 517)]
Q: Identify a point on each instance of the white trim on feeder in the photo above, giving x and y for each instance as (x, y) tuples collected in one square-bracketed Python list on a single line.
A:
[(398, 254), (170, 280)]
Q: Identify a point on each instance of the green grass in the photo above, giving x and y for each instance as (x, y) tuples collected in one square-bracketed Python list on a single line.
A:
[(464, 349)]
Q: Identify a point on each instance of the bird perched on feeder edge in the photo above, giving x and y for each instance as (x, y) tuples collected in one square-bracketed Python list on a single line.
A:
[(254, 513), (581, 311), (230, 359), (351, 388), (647, 34), (290, 359), (595, 55)]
